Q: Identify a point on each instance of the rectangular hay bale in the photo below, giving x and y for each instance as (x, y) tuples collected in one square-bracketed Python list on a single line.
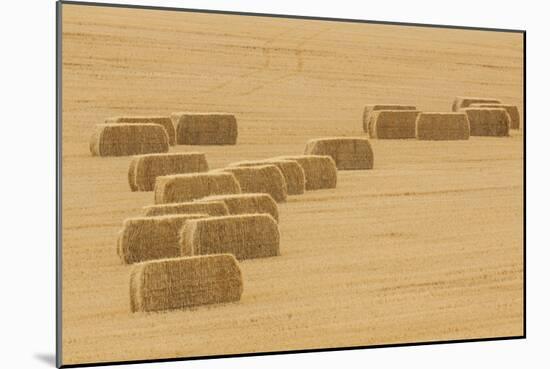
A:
[(260, 179), (393, 124), (292, 172), (185, 282), (348, 153), (442, 126), (205, 128), (187, 187), (319, 170), (464, 101), (128, 139), (164, 121), (488, 121), (247, 203), (212, 208), (512, 111), (374, 107)]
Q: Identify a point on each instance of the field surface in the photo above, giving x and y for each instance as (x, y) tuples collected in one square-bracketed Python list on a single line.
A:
[(426, 246)]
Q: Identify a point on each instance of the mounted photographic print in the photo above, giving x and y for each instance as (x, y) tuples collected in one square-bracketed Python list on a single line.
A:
[(241, 184)]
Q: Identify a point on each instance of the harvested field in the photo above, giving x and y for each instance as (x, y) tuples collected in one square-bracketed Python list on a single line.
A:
[(512, 111), (205, 128), (265, 178), (426, 246), (442, 126), (320, 170), (393, 124), (164, 121), (213, 208), (461, 102), (185, 282), (128, 139), (292, 172), (247, 236), (375, 107), (348, 153), (149, 238), (187, 187), (488, 121), (144, 169), (247, 203)]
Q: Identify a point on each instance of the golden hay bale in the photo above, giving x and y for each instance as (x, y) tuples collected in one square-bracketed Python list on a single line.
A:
[(320, 170), (246, 236), (393, 124), (512, 111), (164, 121), (247, 203), (442, 126), (292, 171), (148, 238), (184, 282), (488, 121), (187, 187), (212, 208), (374, 107), (348, 152), (205, 128), (128, 139), (260, 179), (463, 101), (144, 169)]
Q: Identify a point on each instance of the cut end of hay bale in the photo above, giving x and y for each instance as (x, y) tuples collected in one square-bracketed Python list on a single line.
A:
[(247, 203), (212, 208), (128, 139), (348, 153), (374, 107), (442, 126), (319, 170), (188, 187), (149, 238), (205, 128), (164, 121), (488, 121), (185, 282), (261, 179), (246, 236), (512, 111), (465, 101), (292, 172), (393, 124), (144, 169)]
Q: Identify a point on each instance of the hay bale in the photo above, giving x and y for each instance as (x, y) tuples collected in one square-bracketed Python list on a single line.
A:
[(247, 203), (463, 101), (212, 208), (185, 282), (187, 187), (512, 111), (349, 153), (205, 128), (374, 107), (442, 126), (488, 121), (149, 238), (246, 236), (144, 169), (261, 179), (128, 139), (164, 121), (292, 172), (320, 170), (393, 124)]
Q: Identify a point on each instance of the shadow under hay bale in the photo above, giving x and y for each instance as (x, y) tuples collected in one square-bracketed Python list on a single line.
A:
[(260, 179), (187, 187), (164, 121), (374, 107), (212, 208), (488, 121), (393, 124), (348, 153), (246, 236), (149, 238), (205, 128), (292, 172), (144, 169), (512, 111), (247, 203), (128, 139), (442, 126), (185, 282), (464, 102), (319, 170)]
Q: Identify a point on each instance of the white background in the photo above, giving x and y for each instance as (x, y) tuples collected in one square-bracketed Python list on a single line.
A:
[(27, 170)]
